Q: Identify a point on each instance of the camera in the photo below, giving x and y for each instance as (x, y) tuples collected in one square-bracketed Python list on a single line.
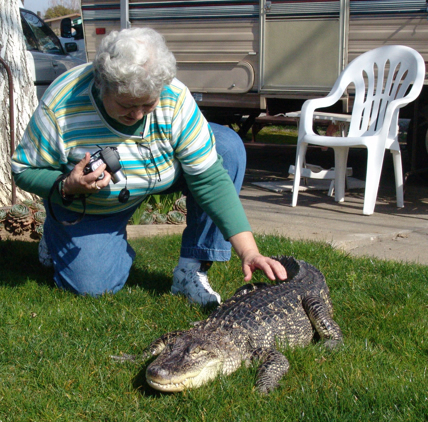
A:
[(110, 157)]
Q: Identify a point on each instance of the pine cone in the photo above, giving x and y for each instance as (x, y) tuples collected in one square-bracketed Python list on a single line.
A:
[(3, 214), (39, 217), (145, 206), (180, 205), (18, 219), (39, 230), (147, 218), (34, 206), (160, 218), (176, 217)]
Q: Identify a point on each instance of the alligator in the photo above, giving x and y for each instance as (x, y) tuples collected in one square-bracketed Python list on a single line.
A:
[(250, 325)]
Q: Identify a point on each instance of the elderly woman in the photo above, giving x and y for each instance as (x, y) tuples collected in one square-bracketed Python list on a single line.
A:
[(128, 99)]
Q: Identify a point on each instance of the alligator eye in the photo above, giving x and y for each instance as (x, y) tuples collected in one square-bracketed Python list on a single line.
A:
[(197, 350)]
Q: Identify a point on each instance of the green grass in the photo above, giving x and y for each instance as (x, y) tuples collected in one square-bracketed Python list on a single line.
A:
[(55, 347), (276, 135)]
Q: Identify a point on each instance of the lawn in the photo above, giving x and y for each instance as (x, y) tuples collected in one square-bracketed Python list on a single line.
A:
[(55, 347), (273, 134)]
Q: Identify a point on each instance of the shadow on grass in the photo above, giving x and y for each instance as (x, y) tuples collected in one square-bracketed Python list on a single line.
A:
[(139, 382), (154, 282), (19, 262)]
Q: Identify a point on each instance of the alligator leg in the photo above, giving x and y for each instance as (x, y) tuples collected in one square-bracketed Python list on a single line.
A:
[(326, 327), (275, 365)]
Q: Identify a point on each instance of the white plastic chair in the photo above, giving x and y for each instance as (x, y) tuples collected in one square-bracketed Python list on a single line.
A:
[(381, 78)]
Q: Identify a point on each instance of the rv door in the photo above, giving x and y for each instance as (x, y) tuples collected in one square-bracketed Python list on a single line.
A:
[(303, 45)]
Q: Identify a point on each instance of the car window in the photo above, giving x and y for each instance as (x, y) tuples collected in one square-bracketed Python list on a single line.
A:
[(38, 36), (30, 41)]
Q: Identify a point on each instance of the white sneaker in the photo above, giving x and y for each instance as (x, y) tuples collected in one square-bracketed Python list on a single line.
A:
[(192, 281), (45, 257)]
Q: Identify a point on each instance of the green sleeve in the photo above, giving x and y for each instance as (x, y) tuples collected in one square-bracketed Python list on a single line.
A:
[(38, 181), (214, 191)]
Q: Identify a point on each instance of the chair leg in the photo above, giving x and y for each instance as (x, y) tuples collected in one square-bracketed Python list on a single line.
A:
[(374, 170), (300, 159), (398, 172), (340, 166)]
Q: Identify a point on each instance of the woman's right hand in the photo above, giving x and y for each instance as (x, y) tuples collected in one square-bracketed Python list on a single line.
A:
[(77, 182)]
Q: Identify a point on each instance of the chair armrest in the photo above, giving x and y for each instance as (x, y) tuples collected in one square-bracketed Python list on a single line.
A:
[(309, 107)]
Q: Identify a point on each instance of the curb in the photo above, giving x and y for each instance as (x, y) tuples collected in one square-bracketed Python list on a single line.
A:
[(148, 230)]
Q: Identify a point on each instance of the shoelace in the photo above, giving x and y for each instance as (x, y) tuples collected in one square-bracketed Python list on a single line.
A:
[(203, 279)]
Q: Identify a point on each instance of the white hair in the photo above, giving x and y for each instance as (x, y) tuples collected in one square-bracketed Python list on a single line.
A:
[(134, 61)]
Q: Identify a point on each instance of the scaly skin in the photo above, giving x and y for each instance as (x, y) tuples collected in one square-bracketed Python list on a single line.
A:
[(248, 326)]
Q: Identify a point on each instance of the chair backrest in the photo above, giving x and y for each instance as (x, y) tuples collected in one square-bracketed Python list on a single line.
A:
[(381, 78)]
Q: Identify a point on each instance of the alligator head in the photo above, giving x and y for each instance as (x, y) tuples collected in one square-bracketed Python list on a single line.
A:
[(190, 361)]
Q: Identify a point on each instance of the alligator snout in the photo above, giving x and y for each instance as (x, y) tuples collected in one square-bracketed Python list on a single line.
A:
[(156, 372)]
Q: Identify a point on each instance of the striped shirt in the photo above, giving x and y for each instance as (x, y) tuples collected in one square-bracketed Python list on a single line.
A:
[(67, 124)]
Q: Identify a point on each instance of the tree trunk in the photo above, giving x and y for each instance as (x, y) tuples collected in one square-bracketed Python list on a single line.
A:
[(14, 53)]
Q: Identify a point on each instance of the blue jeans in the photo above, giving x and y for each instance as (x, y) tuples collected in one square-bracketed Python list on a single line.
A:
[(94, 257)]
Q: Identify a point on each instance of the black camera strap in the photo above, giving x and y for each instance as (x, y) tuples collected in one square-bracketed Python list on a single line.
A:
[(65, 201)]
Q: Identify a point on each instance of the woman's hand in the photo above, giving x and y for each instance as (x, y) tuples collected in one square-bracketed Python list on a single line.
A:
[(78, 182), (246, 248)]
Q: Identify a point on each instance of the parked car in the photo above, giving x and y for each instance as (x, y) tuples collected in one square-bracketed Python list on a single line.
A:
[(72, 37), (46, 56)]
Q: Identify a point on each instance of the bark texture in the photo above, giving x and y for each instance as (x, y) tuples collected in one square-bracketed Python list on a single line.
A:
[(13, 51)]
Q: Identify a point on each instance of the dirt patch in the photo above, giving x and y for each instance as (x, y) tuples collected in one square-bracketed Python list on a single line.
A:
[(27, 236)]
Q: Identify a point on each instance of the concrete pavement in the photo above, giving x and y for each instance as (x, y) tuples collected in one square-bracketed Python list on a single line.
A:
[(390, 233)]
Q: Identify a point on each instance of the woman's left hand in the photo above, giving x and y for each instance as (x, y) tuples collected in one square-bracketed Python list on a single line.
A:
[(245, 246)]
